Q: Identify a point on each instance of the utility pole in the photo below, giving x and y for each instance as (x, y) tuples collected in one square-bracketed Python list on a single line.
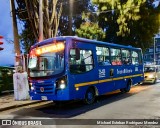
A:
[(15, 33), (40, 21), (154, 51)]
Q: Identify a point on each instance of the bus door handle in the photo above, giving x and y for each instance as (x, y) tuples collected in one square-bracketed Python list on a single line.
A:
[(111, 72)]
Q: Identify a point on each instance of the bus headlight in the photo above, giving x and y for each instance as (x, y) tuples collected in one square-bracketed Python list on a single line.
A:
[(32, 88), (61, 83)]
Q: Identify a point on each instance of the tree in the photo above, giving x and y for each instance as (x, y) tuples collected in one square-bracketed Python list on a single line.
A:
[(131, 22), (89, 29), (30, 19), (51, 16), (76, 14)]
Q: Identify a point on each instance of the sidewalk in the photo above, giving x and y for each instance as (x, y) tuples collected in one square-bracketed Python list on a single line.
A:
[(7, 102)]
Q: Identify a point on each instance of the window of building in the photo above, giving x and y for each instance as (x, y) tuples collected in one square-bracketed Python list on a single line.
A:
[(150, 49), (116, 56), (103, 56), (83, 64)]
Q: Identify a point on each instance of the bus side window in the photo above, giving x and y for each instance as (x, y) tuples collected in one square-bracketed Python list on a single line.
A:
[(126, 57), (84, 64), (135, 58), (116, 56), (103, 57)]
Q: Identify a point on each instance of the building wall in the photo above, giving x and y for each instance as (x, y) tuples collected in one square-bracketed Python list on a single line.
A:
[(149, 53)]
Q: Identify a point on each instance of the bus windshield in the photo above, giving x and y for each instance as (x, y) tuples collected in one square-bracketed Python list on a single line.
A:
[(149, 69), (47, 64)]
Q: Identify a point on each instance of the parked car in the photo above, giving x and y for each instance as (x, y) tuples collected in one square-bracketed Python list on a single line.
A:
[(6, 79), (151, 73)]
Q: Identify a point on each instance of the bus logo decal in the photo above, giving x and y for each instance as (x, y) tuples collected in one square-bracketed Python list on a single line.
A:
[(136, 68), (41, 89), (40, 81), (123, 71), (102, 73)]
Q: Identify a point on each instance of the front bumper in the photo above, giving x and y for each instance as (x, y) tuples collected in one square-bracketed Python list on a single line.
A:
[(60, 95), (149, 80)]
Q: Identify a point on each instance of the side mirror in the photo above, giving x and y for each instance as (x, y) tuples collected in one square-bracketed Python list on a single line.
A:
[(75, 52)]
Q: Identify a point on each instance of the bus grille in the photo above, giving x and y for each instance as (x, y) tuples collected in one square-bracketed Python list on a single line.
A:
[(44, 88)]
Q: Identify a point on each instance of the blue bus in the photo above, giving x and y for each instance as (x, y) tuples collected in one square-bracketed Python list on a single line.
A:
[(71, 68)]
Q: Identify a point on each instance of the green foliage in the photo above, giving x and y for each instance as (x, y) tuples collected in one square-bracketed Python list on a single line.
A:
[(90, 30), (126, 11), (133, 22)]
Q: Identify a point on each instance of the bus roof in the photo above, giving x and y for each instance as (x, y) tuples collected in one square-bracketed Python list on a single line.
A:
[(82, 40)]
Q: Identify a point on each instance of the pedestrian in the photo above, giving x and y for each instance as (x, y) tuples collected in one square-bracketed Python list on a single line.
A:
[(20, 84)]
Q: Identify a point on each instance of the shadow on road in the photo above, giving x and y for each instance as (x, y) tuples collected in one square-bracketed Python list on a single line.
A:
[(74, 108)]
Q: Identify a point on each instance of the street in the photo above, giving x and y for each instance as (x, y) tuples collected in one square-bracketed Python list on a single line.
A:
[(142, 102)]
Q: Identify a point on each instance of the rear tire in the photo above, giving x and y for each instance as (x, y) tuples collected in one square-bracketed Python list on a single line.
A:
[(90, 96), (127, 88)]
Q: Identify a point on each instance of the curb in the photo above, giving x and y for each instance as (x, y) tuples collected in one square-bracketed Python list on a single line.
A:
[(19, 105)]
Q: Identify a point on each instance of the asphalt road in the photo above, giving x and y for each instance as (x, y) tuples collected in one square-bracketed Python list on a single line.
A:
[(142, 102)]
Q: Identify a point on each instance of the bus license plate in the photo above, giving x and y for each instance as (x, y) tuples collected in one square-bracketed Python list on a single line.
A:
[(43, 97)]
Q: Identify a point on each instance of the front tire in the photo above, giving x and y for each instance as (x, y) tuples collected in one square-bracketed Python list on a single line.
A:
[(90, 96)]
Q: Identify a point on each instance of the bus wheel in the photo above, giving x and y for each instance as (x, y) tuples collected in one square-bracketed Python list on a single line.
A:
[(126, 89), (122, 90), (89, 96)]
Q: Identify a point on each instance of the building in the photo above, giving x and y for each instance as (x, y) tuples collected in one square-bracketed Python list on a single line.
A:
[(149, 53)]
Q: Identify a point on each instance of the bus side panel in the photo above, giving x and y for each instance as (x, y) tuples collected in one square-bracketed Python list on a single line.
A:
[(118, 77), (79, 82), (137, 75), (106, 83)]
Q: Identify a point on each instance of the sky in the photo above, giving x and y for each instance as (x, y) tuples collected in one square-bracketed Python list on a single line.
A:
[(7, 55)]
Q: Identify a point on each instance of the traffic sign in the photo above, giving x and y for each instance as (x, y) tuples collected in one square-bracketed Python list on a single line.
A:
[(1, 37)]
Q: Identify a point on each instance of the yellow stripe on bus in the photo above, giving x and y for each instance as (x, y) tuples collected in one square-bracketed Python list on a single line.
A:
[(86, 83), (118, 78), (137, 75), (105, 80)]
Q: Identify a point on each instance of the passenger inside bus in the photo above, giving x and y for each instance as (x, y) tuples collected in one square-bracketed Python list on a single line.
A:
[(116, 61), (103, 61), (126, 61)]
